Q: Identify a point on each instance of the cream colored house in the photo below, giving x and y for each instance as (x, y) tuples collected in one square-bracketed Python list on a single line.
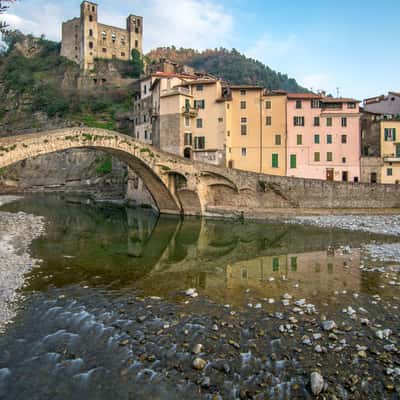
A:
[(390, 151)]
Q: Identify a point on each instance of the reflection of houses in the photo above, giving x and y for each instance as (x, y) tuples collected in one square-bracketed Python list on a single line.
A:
[(319, 271)]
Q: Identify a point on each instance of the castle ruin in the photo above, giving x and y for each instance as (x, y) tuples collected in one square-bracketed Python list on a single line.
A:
[(84, 39)]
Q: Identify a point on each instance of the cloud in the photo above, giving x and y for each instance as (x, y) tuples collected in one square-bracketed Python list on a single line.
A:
[(316, 81), (268, 48), (193, 23)]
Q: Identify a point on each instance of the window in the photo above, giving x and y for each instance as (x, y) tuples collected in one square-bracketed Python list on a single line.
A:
[(293, 161), (188, 139), (278, 140), (299, 140), (244, 152), (199, 123), (243, 92), (104, 50), (90, 32), (275, 160), (243, 120), (298, 104), (145, 135), (316, 121), (113, 36), (298, 121), (187, 122), (199, 88), (390, 134), (351, 105), (268, 121), (329, 121), (90, 45), (344, 122), (344, 160), (317, 157), (228, 133), (275, 264), (293, 264), (91, 18), (344, 139), (243, 105), (145, 89), (243, 130), (199, 104), (268, 105), (199, 142), (329, 139), (329, 156), (93, 8), (220, 120), (315, 103), (316, 139), (389, 171), (122, 54), (345, 176)]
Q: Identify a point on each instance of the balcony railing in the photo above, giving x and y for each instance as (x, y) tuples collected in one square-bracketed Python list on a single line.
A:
[(190, 112), (175, 91), (391, 158)]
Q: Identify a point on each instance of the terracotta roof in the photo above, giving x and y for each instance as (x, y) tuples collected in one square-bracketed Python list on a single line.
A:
[(303, 96), (395, 93), (246, 87), (339, 100)]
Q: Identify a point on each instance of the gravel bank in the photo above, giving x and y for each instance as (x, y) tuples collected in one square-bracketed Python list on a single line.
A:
[(16, 234), (379, 224)]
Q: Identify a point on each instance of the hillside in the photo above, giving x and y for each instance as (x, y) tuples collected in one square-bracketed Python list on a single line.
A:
[(39, 90), (229, 65)]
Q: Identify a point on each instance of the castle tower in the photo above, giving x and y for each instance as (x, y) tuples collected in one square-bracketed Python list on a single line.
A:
[(89, 28), (135, 32)]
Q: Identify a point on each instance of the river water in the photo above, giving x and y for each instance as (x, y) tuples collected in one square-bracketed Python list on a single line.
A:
[(105, 315)]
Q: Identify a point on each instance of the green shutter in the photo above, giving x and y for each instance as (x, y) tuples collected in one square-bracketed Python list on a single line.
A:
[(293, 161), (394, 134), (275, 161)]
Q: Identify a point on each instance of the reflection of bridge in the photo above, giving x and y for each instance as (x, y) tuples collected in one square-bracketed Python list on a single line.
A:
[(181, 186)]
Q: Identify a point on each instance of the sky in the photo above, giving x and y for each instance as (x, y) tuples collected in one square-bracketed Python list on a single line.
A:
[(350, 47)]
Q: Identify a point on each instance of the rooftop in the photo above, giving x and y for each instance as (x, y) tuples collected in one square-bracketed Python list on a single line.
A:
[(303, 96)]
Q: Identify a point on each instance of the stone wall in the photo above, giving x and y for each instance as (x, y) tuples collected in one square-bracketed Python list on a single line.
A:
[(71, 171), (371, 165)]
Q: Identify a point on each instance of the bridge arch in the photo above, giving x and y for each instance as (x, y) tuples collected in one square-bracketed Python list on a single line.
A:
[(143, 160)]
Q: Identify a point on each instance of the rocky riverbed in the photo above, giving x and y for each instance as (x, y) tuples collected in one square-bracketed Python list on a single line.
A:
[(380, 224), (16, 234)]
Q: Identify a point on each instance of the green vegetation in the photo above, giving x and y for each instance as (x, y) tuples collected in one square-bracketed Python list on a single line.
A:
[(230, 65), (2, 171), (105, 165), (137, 64), (34, 82)]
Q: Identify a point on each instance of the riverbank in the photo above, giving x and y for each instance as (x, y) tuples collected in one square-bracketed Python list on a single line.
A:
[(17, 231)]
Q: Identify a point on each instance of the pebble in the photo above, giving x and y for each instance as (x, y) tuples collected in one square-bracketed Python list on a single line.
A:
[(328, 325), (317, 383), (197, 348), (199, 364)]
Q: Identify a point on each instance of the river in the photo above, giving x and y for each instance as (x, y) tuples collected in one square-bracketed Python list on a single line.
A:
[(126, 304)]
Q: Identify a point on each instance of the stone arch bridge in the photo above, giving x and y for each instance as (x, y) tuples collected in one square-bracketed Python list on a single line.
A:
[(181, 186)]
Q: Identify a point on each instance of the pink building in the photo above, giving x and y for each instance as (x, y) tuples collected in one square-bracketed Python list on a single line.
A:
[(323, 137)]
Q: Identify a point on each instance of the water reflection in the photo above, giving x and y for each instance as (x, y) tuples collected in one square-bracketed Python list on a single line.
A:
[(164, 255)]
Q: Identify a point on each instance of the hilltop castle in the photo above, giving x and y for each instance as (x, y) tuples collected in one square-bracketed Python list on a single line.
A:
[(84, 39)]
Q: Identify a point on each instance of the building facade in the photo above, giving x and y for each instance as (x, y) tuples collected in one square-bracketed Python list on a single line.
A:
[(385, 104), (85, 39), (323, 137)]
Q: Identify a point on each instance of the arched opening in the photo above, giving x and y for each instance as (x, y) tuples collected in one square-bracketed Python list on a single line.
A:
[(28, 147), (187, 153)]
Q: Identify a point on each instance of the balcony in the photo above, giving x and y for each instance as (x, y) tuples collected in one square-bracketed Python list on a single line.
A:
[(391, 158), (190, 112), (175, 91)]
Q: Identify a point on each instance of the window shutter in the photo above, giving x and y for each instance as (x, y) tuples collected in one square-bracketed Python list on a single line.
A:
[(394, 134)]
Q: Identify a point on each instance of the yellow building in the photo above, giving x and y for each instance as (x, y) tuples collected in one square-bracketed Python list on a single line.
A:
[(390, 151), (256, 130)]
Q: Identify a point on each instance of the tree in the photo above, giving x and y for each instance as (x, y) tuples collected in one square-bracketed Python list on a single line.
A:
[(137, 64), (4, 5)]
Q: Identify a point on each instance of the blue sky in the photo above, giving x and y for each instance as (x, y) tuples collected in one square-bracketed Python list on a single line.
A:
[(350, 44)]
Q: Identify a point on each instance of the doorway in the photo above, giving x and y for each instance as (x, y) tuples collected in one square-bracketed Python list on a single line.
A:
[(187, 153), (374, 177), (345, 176), (329, 174)]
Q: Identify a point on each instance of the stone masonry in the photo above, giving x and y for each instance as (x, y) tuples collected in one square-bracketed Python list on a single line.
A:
[(182, 186)]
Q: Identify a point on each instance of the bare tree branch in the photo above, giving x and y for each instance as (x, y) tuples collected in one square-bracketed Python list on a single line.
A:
[(4, 5)]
